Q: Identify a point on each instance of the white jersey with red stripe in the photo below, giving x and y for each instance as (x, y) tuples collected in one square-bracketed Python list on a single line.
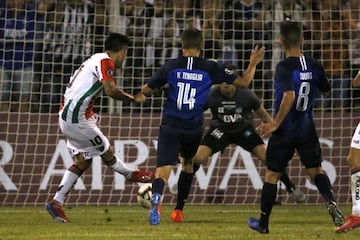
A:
[(84, 86)]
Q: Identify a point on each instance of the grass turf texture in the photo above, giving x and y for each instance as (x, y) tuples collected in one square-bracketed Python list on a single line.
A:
[(201, 222)]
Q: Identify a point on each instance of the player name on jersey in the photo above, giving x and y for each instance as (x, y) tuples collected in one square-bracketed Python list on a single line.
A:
[(190, 76), (305, 75)]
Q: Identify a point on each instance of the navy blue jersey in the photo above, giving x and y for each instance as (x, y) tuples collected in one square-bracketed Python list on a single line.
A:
[(190, 80), (235, 113), (306, 77)]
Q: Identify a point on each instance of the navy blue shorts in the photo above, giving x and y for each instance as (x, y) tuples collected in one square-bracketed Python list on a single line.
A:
[(218, 140), (177, 138), (282, 145)]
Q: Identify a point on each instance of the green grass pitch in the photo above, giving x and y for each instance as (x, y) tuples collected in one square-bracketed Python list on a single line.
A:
[(295, 222)]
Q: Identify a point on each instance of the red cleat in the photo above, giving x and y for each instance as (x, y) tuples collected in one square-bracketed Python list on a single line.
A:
[(55, 210), (350, 223), (142, 176), (177, 216)]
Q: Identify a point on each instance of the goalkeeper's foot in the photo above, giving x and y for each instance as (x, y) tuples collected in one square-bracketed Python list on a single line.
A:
[(177, 216), (56, 212), (142, 176)]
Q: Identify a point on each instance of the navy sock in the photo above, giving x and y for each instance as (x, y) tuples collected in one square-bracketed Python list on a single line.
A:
[(268, 196), (322, 183), (158, 185), (184, 186)]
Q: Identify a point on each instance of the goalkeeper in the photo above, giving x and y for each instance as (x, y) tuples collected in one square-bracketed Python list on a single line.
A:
[(231, 123)]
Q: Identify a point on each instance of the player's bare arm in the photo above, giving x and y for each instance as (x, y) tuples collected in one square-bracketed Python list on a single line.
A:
[(356, 80), (264, 115), (285, 106), (112, 91), (257, 55)]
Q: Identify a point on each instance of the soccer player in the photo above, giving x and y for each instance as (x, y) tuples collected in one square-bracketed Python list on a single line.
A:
[(353, 221), (188, 79), (231, 108), (296, 79), (79, 123)]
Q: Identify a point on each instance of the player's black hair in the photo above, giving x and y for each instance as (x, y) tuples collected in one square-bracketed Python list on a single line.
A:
[(115, 42), (192, 39), (291, 33)]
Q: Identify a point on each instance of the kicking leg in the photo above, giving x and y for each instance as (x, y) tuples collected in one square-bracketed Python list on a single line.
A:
[(119, 166)]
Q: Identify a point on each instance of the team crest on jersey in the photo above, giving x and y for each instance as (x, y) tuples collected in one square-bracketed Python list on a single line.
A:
[(228, 71), (110, 73)]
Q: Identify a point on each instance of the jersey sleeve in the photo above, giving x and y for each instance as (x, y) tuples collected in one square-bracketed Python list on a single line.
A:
[(255, 102), (283, 76), (107, 69), (222, 74), (158, 79)]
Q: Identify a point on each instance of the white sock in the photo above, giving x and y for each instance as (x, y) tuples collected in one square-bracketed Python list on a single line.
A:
[(120, 167), (67, 182), (355, 193)]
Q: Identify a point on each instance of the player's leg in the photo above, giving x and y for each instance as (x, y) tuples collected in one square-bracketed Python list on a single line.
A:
[(277, 157), (167, 156), (268, 196), (299, 196), (353, 221), (161, 176), (322, 182), (185, 180), (54, 207), (119, 166), (310, 156), (190, 141)]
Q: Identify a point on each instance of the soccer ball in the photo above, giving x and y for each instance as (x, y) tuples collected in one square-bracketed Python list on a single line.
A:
[(144, 195)]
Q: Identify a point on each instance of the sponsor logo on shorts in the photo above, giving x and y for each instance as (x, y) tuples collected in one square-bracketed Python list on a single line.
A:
[(217, 133)]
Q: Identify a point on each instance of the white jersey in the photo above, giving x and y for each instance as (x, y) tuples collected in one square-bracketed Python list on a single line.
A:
[(84, 86), (355, 141)]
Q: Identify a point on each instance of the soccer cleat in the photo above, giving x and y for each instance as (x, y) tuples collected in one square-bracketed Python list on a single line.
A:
[(154, 214), (142, 176), (336, 213), (351, 222), (177, 216), (54, 209), (298, 196), (254, 224)]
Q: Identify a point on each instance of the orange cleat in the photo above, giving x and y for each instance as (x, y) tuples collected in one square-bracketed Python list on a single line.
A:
[(177, 216), (55, 210), (350, 223)]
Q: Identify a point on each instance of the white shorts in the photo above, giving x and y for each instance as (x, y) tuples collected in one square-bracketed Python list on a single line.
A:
[(85, 137), (355, 142)]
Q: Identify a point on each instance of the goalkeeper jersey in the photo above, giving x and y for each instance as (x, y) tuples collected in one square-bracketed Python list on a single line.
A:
[(84, 86)]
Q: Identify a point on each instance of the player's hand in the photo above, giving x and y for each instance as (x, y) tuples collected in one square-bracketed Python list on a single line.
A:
[(257, 55), (139, 98), (266, 128)]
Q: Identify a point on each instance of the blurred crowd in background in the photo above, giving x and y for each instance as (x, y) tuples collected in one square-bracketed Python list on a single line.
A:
[(42, 42)]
